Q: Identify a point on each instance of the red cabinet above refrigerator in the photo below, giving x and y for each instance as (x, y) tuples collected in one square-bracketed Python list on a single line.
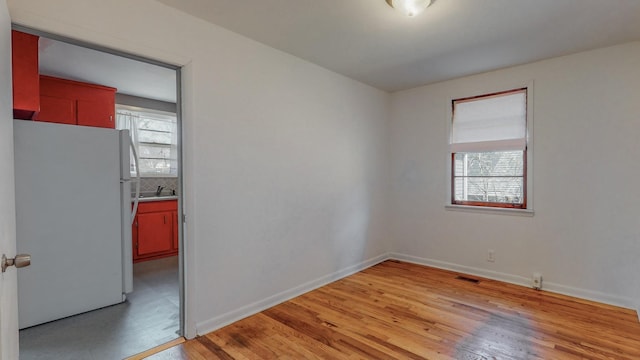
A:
[(26, 81), (77, 103)]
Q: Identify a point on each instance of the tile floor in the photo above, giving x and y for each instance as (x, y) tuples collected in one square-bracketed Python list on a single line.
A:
[(148, 318)]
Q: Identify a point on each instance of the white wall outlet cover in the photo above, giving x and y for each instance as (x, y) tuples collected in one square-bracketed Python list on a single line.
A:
[(491, 256), (536, 280)]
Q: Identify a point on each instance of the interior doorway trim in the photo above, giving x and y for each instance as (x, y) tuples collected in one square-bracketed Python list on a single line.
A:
[(181, 192), (157, 349), (94, 46)]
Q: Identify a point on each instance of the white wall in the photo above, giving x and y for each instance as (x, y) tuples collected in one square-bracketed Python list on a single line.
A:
[(285, 162), (585, 234), (286, 165)]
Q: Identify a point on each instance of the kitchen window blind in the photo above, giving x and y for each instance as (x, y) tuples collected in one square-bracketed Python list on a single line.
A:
[(154, 134)]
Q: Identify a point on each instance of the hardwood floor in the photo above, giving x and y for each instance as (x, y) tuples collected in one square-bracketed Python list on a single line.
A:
[(396, 310)]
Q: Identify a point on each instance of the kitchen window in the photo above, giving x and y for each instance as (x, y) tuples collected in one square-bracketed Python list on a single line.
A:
[(488, 149), (154, 135)]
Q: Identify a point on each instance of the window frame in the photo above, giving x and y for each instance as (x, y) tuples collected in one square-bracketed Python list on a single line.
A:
[(489, 203), (526, 208), (151, 112)]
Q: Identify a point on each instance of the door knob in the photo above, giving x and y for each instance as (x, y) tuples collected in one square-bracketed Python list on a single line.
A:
[(21, 260)]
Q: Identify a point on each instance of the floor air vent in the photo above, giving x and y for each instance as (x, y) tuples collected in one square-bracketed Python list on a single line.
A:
[(464, 278)]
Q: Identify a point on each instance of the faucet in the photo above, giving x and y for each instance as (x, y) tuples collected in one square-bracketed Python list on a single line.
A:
[(159, 190)]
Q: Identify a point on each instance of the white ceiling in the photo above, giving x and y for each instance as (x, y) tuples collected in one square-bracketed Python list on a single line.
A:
[(129, 76), (368, 41)]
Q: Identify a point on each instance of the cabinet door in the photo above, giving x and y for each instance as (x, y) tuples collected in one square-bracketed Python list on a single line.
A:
[(175, 230), (91, 105), (57, 110), (134, 238), (155, 233), (99, 113), (26, 81)]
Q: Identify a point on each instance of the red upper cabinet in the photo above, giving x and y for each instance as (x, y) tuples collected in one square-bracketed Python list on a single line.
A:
[(26, 88), (57, 110), (73, 102), (98, 112)]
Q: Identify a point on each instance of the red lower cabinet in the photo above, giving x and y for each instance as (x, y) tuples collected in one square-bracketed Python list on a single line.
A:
[(174, 219), (155, 230), (155, 233)]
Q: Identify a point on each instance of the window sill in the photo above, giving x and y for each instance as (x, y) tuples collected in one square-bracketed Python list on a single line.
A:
[(146, 176), (490, 210)]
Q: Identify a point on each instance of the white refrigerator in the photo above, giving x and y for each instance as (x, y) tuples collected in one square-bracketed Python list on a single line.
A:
[(73, 215)]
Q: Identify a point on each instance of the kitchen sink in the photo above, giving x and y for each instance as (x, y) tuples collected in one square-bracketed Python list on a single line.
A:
[(146, 195)]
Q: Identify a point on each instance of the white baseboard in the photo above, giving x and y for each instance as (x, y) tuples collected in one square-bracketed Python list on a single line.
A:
[(512, 279), (218, 322), (521, 280)]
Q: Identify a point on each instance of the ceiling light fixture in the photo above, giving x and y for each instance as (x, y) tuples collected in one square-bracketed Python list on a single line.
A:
[(409, 7)]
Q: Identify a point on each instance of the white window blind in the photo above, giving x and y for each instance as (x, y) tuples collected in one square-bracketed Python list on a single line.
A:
[(154, 135), (496, 123)]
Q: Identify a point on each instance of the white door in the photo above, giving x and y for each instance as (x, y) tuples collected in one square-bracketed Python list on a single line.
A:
[(8, 280)]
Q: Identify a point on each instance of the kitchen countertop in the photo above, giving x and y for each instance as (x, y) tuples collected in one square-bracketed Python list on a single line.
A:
[(156, 198)]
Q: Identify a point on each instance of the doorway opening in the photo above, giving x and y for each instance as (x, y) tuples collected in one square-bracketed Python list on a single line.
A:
[(146, 102)]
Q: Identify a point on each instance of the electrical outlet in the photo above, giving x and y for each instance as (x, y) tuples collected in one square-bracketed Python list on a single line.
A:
[(491, 256), (536, 281)]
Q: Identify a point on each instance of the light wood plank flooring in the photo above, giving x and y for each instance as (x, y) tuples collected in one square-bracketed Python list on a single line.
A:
[(396, 310)]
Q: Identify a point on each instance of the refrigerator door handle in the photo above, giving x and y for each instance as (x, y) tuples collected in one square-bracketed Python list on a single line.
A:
[(137, 195)]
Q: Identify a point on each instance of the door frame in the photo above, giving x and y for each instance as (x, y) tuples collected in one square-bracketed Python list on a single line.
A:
[(183, 330)]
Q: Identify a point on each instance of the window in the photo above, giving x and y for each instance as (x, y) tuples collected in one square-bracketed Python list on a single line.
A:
[(154, 135), (489, 150)]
